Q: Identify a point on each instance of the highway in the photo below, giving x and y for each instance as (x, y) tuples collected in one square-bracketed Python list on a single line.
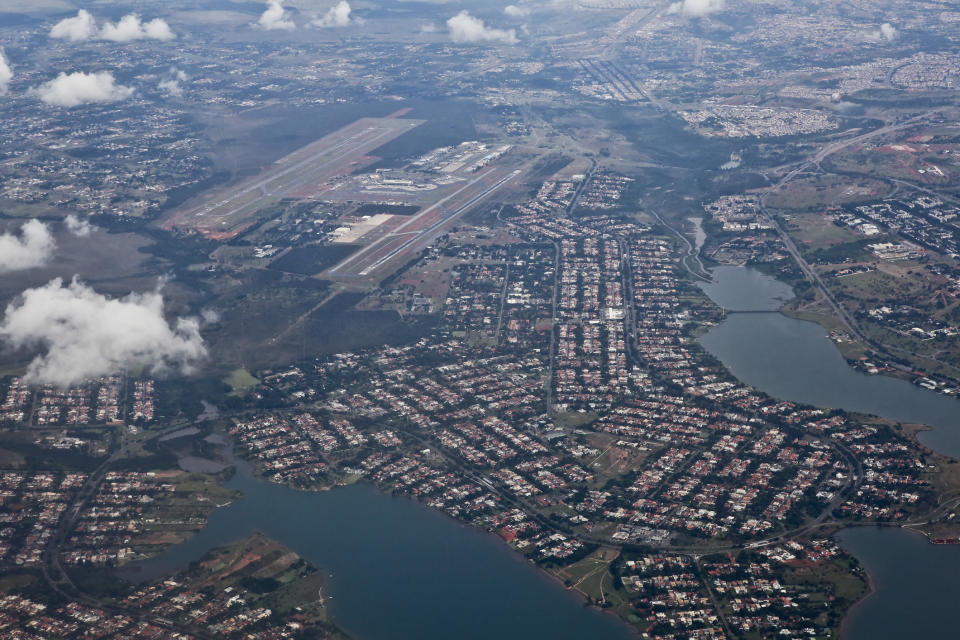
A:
[(841, 313), (849, 323)]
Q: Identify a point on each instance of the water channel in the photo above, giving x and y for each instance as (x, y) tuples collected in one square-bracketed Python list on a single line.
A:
[(398, 570), (915, 583), (699, 235)]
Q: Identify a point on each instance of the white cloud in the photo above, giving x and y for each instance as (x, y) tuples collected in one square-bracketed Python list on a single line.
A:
[(6, 73), (697, 8), (130, 27), (77, 226), (70, 90), (464, 27), (83, 26), (84, 334), (514, 11), (80, 27), (171, 85), (886, 33), (158, 29), (275, 17), (32, 248), (337, 16)]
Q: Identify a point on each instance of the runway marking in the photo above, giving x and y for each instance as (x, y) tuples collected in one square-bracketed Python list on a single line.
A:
[(262, 185), (309, 165), (421, 233)]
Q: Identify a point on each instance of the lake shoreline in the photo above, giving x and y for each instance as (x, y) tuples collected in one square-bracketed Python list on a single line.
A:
[(373, 543), (795, 360)]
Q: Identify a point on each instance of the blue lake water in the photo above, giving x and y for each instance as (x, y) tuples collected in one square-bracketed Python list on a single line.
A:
[(399, 570), (402, 571), (916, 584), (795, 360)]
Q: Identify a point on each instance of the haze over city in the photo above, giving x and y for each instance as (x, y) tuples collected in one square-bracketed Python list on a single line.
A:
[(396, 319)]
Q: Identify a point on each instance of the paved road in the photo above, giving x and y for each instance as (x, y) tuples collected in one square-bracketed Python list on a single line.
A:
[(849, 323)]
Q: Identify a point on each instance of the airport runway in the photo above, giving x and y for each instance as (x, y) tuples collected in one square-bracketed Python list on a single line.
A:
[(418, 230), (309, 165)]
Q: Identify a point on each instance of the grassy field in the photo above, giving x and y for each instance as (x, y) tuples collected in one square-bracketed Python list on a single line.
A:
[(429, 280), (613, 461), (836, 582), (312, 260), (273, 575), (913, 284), (574, 419), (814, 231), (241, 381), (823, 191), (906, 155), (591, 576)]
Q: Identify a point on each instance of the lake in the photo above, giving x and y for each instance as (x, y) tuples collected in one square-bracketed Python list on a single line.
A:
[(399, 570), (795, 360), (915, 585)]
